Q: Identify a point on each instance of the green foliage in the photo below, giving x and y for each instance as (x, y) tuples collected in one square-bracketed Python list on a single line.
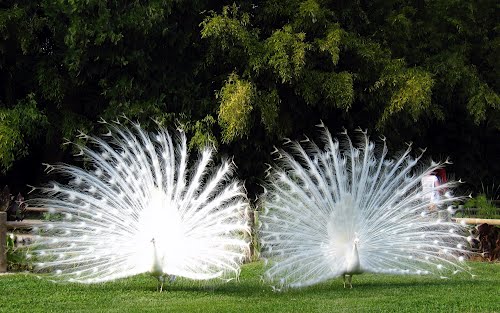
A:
[(329, 90), (103, 24), (483, 99), (54, 217), (229, 28), (411, 90), (369, 52), (203, 135), (17, 126), (338, 90), (86, 60), (269, 102), (309, 89), (51, 82), (331, 43), (236, 98), (16, 256), (72, 124), (231, 32), (486, 208), (381, 65), (285, 53), (310, 10)]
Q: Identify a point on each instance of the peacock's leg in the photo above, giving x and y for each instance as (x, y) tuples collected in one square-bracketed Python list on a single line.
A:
[(344, 279), (162, 280), (350, 280)]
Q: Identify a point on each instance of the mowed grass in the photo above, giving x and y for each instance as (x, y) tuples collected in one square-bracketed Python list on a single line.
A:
[(371, 293)]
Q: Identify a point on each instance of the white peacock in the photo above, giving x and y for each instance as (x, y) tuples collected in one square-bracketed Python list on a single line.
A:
[(142, 209), (346, 209)]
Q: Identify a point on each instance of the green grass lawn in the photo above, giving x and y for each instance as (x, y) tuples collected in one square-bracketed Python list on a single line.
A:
[(371, 293)]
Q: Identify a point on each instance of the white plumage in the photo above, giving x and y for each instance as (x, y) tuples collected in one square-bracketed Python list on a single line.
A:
[(141, 208), (347, 209)]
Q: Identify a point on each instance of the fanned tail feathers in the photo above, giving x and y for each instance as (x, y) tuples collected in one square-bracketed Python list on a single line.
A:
[(140, 189), (318, 201)]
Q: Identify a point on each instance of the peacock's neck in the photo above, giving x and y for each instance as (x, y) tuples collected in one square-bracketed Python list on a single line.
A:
[(353, 262), (156, 264), (355, 254)]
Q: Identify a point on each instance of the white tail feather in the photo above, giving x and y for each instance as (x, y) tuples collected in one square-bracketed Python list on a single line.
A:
[(141, 191), (320, 203)]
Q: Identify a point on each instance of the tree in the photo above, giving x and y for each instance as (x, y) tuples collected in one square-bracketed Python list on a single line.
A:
[(409, 67), (243, 76), (75, 62)]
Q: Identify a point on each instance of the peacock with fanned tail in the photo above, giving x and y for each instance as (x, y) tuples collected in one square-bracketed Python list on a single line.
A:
[(140, 209), (346, 209)]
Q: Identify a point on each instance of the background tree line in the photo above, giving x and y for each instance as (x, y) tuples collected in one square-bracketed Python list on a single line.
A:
[(243, 76)]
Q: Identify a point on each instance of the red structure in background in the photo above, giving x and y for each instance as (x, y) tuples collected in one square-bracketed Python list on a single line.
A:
[(441, 175)]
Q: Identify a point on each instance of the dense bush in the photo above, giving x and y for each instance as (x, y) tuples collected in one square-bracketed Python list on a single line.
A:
[(244, 75)]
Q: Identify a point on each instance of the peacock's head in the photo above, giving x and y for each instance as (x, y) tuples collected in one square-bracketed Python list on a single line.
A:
[(356, 238)]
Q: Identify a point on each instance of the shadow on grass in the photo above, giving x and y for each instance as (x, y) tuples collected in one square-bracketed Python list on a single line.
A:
[(256, 289)]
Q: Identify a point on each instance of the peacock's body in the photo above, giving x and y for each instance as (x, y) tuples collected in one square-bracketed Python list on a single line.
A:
[(347, 209), (142, 209)]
